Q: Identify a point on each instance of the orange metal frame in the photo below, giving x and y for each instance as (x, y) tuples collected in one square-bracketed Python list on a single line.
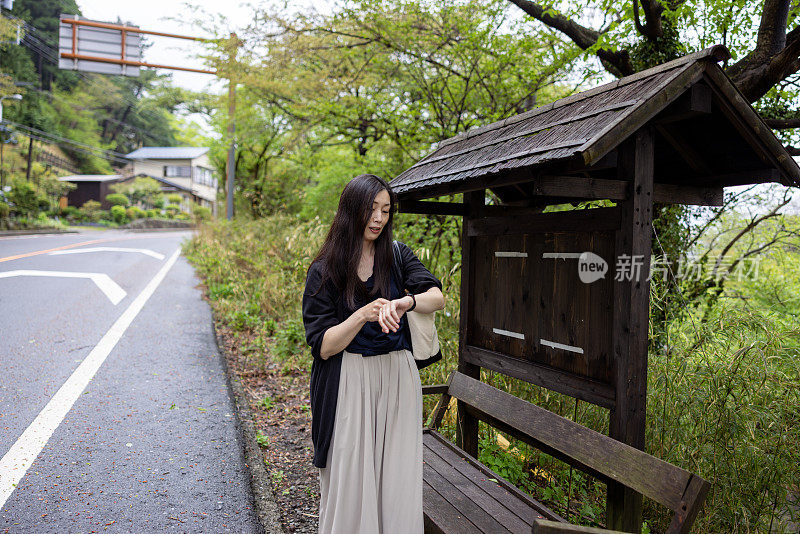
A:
[(122, 61)]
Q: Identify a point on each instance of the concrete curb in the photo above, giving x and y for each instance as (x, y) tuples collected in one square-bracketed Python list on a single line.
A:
[(159, 229), (37, 231), (265, 506)]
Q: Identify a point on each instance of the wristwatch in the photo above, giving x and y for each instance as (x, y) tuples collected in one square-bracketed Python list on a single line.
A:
[(413, 305)]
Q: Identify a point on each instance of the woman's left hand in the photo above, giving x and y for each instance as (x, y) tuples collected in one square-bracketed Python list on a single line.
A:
[(392, 311)]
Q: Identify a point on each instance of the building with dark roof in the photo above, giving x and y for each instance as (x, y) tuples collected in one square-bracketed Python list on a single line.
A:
[(183, 170)]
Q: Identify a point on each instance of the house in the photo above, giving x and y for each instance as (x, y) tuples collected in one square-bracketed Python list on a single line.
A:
[(183, 170), (90, 187)]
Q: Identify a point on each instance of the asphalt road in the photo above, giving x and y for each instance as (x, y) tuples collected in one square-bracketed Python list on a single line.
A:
[(115, 415)]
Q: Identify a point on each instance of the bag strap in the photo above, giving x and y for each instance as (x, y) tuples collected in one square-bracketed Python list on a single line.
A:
[(398, 265)]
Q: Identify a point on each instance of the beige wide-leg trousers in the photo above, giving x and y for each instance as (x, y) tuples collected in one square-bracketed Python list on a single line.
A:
[(372, 482)]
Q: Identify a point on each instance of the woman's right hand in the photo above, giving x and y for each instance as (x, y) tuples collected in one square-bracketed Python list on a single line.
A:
[(372, 312)]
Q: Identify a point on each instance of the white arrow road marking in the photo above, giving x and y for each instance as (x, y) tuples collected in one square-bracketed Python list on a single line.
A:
[(146, 251), (102, 280), (25, 450)]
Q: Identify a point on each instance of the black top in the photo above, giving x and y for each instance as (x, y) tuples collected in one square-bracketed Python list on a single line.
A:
[(371, 340), (324, 307)]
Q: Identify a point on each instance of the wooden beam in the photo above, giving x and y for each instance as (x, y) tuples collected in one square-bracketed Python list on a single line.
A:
[(608, 161), (582, 447), (554, 379), (686, 151), (687, 194), (696, 101), (757, 176), (467, 424), (478, 183), (435, 389), (543, 526), (431, 208), (502, 210), (752, 126), (630, 322), (578, 186), (596, 219)]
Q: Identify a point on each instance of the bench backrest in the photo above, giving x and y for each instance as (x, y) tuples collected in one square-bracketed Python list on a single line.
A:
[(593, 452)]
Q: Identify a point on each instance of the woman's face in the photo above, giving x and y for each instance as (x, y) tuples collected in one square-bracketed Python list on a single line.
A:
[(379, 216)]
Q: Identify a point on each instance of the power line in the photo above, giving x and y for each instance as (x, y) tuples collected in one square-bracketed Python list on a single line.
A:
[(81, 147), (81, 108)]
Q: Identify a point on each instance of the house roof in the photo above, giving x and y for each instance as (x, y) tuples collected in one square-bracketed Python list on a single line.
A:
[(581, 129), (168, 152), (166, 182), (91, 178)]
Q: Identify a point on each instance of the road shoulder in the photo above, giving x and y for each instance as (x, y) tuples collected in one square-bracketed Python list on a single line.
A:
[(265, 504)]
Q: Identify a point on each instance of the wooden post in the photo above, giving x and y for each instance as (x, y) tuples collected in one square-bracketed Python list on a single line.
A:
[(467, 425), (30, 154), (631, 319)]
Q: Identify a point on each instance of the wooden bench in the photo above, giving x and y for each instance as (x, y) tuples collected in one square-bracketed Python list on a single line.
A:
[(464, 496)]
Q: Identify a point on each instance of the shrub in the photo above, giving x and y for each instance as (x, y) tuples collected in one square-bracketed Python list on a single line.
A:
[(151, 213), (118, 199), (201, 213), (172, 210), (118, 214), (135, 212), (91, 210), (174, 198), (24, 197), (4, 210)]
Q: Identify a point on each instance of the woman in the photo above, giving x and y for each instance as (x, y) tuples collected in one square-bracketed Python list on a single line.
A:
[(366, 398)]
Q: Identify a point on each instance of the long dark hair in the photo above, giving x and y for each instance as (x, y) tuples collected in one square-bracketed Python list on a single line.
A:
[(341, 251)]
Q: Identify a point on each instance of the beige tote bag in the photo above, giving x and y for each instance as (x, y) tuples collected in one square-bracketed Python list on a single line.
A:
[(424, 339)]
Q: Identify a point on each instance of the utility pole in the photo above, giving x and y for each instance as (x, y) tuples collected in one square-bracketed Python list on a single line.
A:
[(30, 154), (231, 166), (2, 136)]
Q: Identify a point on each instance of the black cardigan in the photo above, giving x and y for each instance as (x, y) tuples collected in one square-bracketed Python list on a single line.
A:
[(326, 308)]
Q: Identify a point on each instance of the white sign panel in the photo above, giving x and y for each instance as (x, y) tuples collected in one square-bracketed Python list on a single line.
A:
[(100, 43)]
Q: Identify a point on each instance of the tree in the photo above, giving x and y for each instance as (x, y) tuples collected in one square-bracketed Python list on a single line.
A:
[(764, 38), (386, 79), (44, 16), (142, 191)]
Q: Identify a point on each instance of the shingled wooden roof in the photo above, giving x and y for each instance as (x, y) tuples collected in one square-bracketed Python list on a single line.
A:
[(578, 131)]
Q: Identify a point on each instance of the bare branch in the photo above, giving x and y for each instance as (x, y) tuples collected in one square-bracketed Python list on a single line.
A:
[(746, 230), (775, 57), (617, 63)]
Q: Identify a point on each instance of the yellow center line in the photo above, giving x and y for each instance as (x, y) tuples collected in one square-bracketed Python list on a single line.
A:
[(37, 252)]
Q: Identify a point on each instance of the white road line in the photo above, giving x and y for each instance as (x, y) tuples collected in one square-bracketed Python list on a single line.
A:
[(108, 286), (34, 236), (146, 251), (22, 454), (561, 346), (508, 333), (501, 254)]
